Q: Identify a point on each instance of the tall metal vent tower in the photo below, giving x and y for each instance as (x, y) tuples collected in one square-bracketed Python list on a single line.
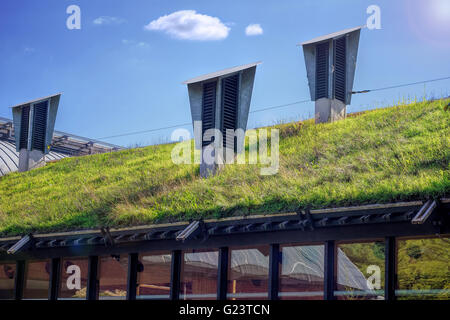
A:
[(330, 64), (34, 122), (220, 101)]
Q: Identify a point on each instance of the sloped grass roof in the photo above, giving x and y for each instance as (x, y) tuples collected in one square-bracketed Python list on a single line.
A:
[(394, 154)]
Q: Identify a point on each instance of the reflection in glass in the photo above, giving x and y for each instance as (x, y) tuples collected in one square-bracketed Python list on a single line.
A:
[(199, 275), (113, 277), (74, 274), (154, 276), (360, 272), (7, 273), (301, 272), (423, 269), (37, 279), (248, 273)]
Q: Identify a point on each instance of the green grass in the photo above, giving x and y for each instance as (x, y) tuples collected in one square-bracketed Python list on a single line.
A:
[(422, 264), (394, 154)]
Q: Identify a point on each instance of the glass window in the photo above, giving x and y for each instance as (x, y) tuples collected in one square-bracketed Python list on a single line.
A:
[(7, 276), (248, 273), (113, 277), (360, 271), (423, 269), (153, 278), (74, 277), (199, 275), (37, 279), (301, 272)]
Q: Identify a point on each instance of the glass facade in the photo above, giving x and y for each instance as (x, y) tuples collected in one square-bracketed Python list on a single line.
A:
[(248, 273), (37, 279), (7, 276), (360, 271), (74, 276), (199, 275), (153, 278), (301, 272), (113, 277), (423, 269)]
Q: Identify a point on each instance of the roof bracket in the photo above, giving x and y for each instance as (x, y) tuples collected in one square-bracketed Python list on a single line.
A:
[(107, 237), (24, 243), (323, 222), (309, 218), (424, 212), (266, 226), (305, 219), (343, 220), (285, 224), (191, 231)]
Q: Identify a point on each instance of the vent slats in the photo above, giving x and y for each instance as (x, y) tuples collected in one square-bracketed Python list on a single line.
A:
[(39, 126), (230, 93), (208, 110), (24, 125), (339, 68), (322, 66)]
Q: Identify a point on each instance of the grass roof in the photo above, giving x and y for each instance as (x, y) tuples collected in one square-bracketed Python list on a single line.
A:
[(399, 153)]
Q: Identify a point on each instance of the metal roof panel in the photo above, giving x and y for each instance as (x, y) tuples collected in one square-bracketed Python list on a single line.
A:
[(37, 100), (220, 73), (330, 36)]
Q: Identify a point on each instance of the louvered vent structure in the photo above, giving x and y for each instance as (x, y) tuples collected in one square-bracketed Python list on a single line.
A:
[(221, 101), (25, 124), (331, 86), (39, 125), (208, 110), (322, 70), (34, 122), (339, 68), (230, 91)]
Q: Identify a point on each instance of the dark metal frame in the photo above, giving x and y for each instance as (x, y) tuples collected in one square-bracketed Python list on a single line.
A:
[(315, 226), (329, 270)]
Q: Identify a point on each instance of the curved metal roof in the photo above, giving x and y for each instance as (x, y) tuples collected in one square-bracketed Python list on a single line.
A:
[(63, 145), (301, 262), (9, 157)]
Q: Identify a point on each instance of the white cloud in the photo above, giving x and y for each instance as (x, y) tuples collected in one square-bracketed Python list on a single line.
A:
[(253, 30), (106, 20), (190, 25), (140, 44), (29, 50)]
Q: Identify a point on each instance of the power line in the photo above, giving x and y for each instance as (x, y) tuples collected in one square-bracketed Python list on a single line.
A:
[(280, 106), (274, 107), (400, 85), (189, 123), (145, 131)]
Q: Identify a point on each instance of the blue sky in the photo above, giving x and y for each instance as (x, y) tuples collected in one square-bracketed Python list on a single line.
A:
[(118, 77)]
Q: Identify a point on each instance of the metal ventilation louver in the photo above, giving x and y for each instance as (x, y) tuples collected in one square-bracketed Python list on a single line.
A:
[(208, 110), (25, 123), (339, 84), (322, 70), (230, 93), (221, 101), (39, 125)]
